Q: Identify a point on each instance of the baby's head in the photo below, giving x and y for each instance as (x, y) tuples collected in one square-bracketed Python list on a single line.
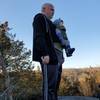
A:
[(59, 23)]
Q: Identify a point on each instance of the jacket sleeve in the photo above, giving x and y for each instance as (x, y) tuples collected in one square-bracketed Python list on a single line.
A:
[(39, 34)]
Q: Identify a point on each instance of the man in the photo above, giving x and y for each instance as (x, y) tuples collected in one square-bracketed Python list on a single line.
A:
[(44, 36)]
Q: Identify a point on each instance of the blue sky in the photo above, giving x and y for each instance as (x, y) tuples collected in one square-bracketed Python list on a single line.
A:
[(81, 17)]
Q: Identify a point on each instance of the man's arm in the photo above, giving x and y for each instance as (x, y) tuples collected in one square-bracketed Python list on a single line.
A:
[(39, 35)]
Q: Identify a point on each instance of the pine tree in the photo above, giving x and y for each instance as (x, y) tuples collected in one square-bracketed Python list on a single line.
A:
[(13, 55)]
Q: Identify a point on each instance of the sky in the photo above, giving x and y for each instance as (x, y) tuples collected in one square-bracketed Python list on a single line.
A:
[(81, 18)]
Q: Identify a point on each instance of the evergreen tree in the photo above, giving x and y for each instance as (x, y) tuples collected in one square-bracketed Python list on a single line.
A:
[(13, 55)]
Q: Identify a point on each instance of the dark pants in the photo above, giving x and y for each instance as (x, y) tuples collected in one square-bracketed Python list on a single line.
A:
[(59, 69), (54, 77)]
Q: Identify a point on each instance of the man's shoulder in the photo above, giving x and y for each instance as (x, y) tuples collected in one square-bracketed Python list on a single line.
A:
[(39, 15)]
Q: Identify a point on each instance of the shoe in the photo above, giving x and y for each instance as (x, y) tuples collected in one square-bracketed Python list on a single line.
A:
[(69, 52)]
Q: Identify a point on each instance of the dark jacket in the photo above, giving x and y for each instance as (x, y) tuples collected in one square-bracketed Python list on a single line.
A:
[(43, 40)]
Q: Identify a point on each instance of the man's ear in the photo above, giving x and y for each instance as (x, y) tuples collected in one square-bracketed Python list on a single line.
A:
[(43, 9)]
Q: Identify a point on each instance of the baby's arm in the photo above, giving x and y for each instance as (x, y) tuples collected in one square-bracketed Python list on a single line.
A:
[(60, 36), (64, 41)]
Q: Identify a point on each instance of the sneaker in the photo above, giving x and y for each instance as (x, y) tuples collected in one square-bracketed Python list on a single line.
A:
[(69, 52)]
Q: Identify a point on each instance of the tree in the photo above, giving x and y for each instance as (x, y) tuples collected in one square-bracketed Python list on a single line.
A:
[(4, 48), (16, 56), (13, 55)]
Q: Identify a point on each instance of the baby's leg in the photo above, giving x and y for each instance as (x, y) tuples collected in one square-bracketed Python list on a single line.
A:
[(69, 51)]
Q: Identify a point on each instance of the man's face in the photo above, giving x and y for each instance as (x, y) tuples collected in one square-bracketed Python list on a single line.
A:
[(49, 10)]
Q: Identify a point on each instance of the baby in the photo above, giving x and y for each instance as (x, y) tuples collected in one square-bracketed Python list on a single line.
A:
[(61, 33)]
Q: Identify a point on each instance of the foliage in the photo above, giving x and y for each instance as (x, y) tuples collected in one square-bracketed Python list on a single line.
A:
[(13, 57), (14, 52), (29, 83)]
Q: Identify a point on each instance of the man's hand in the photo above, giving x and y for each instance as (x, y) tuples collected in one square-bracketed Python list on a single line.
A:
[(45, 59)]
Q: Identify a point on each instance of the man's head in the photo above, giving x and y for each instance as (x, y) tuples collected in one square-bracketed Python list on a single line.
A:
[(48, 10)]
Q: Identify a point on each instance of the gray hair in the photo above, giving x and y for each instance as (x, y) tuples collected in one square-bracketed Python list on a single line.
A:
[(46, 4)]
